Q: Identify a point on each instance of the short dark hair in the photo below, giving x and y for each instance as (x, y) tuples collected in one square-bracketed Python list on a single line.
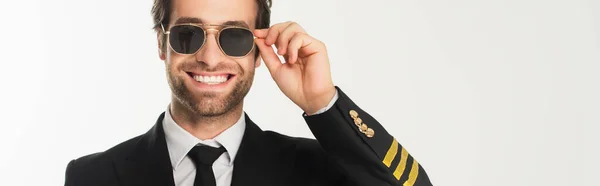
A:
[(161, 10)]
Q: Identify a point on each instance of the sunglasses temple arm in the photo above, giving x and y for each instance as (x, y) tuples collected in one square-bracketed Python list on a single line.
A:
[(163, 30)]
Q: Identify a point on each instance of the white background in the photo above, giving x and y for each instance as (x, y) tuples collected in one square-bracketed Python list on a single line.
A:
[(500, 92)]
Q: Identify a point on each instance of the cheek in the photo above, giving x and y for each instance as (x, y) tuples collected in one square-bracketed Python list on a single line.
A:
[(173, 61), (248, 65)]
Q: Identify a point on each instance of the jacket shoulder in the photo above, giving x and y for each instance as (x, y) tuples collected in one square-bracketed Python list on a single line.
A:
[(98, 167), (311, 159), (302, 144), (120, 150)]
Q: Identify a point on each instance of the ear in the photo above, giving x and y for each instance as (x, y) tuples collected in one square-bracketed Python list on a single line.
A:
[(161, 52), (257, 61)]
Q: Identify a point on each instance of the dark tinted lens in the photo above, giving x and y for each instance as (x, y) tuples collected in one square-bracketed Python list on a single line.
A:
[(236, 41), (186, 39)]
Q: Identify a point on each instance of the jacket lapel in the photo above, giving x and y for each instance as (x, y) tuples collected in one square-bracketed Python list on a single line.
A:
[(149, 164), (262, 160)]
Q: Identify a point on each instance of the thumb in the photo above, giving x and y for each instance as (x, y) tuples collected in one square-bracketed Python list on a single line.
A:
[(268, 55)]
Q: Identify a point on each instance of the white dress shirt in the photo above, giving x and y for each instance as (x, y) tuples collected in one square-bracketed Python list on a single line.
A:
[(180, 142)]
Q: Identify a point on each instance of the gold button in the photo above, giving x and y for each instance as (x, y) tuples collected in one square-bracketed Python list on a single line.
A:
[(364, 127), (357, 121), (353, 114), (370, 133)]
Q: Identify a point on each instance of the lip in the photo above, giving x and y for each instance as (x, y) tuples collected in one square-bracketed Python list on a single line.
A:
[(209, 73), (202, 87)]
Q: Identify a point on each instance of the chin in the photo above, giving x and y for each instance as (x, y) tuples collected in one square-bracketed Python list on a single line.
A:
[(210, 102)]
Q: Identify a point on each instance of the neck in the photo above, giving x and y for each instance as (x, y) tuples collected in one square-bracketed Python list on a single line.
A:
[(204, 127)]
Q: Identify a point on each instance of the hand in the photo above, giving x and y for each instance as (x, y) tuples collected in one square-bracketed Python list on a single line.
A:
[(305, 77)]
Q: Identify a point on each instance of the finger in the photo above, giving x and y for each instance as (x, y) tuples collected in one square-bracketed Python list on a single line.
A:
[(309, 46), (285, 36), (261, 33), (274, 32), (268, 55), (294, 45)]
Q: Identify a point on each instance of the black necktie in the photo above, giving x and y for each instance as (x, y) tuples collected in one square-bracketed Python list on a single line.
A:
[(203, 157)]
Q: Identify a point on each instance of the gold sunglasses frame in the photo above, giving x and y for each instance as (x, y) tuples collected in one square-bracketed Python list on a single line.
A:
[(219, 29)]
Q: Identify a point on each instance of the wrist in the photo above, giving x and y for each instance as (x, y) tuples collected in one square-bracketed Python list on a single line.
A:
[(319, 102)]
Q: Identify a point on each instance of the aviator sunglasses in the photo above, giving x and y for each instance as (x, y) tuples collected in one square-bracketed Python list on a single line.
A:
[(188, 38)]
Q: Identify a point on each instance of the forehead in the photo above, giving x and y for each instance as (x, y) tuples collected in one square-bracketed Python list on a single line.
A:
[(215, 11)]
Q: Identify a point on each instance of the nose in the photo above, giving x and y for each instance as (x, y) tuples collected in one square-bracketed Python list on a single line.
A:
[(210, 53)]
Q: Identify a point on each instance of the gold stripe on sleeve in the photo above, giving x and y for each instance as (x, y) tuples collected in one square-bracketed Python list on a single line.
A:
[(391, 153), (402, 165), (414, 172)]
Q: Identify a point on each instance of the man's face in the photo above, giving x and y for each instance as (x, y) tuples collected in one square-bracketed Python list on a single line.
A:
[(192, 77)]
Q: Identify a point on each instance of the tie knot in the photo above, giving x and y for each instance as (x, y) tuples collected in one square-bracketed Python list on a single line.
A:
[(205, 154)]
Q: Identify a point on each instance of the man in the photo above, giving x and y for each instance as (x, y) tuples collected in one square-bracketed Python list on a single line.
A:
[(211, 49)]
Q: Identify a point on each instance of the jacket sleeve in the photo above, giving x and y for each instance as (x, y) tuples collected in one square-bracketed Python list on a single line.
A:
[(365, 151)]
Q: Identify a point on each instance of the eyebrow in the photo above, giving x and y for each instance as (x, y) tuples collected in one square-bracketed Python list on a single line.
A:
[(183, 20), (236, 23), (188, 20)]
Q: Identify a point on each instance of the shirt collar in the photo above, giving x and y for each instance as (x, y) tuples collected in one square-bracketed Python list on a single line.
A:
[(180, 142)]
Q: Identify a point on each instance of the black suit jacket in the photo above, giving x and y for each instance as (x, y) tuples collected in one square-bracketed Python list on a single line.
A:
[(340, 155)]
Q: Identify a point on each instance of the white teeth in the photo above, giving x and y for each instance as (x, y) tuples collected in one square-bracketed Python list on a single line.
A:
[(211, 79)]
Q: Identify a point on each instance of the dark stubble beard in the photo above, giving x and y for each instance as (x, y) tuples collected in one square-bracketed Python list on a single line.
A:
[(207, 104)]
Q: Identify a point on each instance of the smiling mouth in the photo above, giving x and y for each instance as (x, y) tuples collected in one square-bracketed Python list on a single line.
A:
[(211, 79)]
